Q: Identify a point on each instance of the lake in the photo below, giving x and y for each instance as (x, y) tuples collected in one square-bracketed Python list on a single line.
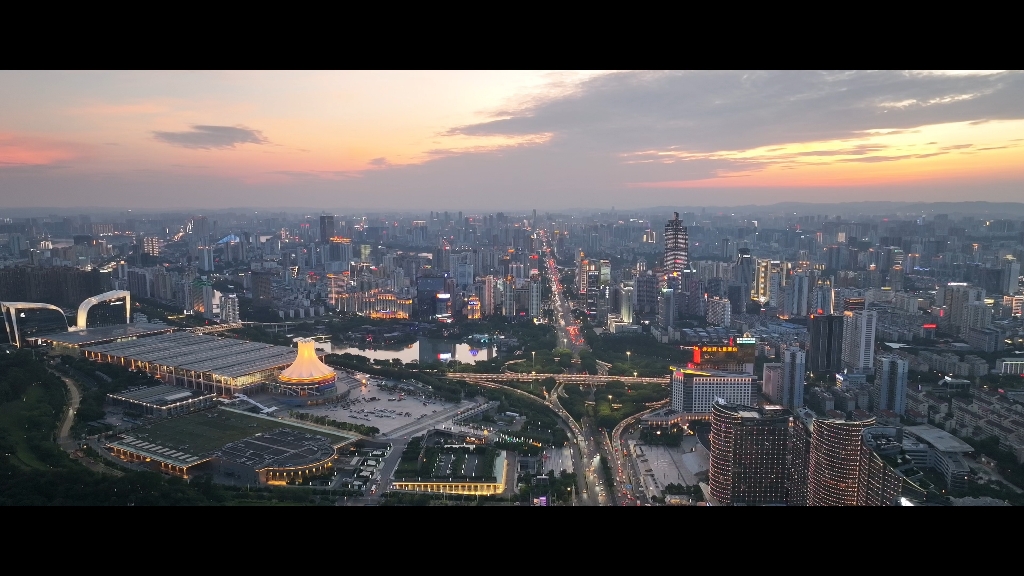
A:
[(428, 350)]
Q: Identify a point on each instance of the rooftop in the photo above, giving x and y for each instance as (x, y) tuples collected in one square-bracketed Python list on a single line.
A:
[(939, 439), (279, 448), (158, 395), (106, 333), (201, 353)]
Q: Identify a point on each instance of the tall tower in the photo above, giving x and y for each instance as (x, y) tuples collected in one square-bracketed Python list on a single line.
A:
[(749, 453), (825, 349), (677, 246), (793, 371), (834, 468), (326, 228), (859, 340), (889, 390)]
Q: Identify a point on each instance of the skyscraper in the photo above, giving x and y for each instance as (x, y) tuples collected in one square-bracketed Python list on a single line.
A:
[(677, 246), (834, 469), (771, 381), (749, 454), (229, 308), (326, 228), (889, 390), (719, 312), (859, 340), (793, 372), (825, 349)]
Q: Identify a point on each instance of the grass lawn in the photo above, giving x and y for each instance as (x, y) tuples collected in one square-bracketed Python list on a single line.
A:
[(13, 421), (209, 430)]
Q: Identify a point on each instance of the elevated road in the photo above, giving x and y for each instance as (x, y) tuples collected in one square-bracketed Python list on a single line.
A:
[(590, 380)]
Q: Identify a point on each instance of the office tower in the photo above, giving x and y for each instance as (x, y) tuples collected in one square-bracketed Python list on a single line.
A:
[(744, 273), (797, 293), (889, 390), (896, 278), (728, 249), (749, 454), (771, 381), (1011, 275), (957, 296), (535, 292), (978, 315), (825, 347), (204, 258), (823, 299), (139, 283), (487, 299), (327, 230), (793, 372), (879, 484), (626, 303), (719, 312), (646, 287), (833, 472), (677, 246), (508, 305), (229, 308), (262, 288), (799, 456), (694, 391), (666, 308), (859, 340), (762, 277)]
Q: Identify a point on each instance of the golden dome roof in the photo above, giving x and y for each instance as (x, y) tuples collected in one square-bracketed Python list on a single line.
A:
[(307, 368)]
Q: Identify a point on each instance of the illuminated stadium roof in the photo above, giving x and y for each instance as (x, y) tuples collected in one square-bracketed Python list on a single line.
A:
[(307, 367)]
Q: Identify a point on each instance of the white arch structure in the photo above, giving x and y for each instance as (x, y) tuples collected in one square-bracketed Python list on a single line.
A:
[(12, 308), (83, 309)]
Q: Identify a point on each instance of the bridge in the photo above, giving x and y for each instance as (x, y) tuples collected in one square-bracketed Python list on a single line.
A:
[(559, 378)]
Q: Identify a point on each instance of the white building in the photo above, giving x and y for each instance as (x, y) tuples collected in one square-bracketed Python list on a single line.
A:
[(694, 391), (859, 340), (889, 390), (229, 308), (719, 312), (794, 362)]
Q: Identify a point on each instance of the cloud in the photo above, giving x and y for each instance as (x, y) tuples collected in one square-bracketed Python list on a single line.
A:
[(713, 111), (212, 137), (381, 162)]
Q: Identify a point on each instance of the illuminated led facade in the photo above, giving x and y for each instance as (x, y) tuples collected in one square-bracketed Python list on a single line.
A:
[(833, 473), (307, 375), (677, 246), (473, 308), (749, 454)]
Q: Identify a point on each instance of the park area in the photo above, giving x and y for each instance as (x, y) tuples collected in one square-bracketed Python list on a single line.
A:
[(203, 432)]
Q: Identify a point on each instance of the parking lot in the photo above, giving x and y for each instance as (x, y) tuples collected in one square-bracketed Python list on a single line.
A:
[(387, 410)]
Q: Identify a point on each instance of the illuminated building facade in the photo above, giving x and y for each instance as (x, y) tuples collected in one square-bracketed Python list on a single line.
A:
[(677, 246), (473, 308), (694, 391), (307, 375), (749, 454), (373, 303), (833, 472)]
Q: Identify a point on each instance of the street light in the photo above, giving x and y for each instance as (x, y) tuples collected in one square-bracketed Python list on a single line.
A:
[(534, 361), (628, 354)]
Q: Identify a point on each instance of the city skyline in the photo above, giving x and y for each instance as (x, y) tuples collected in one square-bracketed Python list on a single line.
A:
[(506, 140)]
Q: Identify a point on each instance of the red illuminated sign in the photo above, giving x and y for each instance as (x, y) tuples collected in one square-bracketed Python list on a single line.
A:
[(930, 326)]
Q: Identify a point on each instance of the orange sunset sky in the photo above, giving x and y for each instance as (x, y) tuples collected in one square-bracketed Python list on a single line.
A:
[(506, 139)]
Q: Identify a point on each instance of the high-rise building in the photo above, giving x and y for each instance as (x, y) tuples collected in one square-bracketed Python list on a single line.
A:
[(1011, 275), (626, 303), (694, 391), (535, 301), (825, 347), (677, 246), (749, 454), (823, 299), (879, 484), (508, 294), (761, 291), (744, 271), (152, 245), (833, 472), (204, 258), (487, 299), (719, 312), (793, 376), (799, 456), (229, 308), (889, 390), (771, 381), (327, 230), (859, 340)]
